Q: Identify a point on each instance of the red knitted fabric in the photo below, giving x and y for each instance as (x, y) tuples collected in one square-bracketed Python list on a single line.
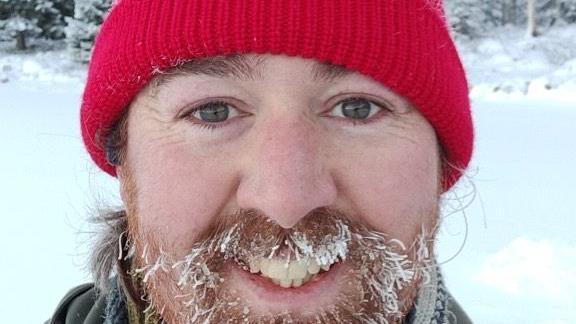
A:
[(404, 44)]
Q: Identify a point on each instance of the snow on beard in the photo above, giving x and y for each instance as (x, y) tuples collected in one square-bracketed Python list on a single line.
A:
[(193, 288)]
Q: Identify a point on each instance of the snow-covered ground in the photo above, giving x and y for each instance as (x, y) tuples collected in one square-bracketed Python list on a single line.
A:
[(510, 63), (518, 263)]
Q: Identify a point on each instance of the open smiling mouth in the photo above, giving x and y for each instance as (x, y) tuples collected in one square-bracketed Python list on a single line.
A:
[(288, 273)]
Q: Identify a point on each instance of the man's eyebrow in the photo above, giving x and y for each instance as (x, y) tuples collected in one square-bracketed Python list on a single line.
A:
[(242, 67), (230, 66), (329, 72)]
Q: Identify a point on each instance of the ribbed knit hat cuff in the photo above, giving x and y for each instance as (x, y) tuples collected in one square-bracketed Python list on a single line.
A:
[(403, 44)]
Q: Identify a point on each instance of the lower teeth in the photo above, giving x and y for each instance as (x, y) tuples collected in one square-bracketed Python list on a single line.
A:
[(287, 283)]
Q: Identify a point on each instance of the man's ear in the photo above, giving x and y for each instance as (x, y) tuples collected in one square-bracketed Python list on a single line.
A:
[(112, 156)]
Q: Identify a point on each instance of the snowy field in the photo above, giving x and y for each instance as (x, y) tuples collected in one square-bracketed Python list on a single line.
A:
[(518, 258)]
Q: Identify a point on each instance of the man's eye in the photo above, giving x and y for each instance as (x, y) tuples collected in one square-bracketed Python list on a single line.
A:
[(355, 108), (214, 112)]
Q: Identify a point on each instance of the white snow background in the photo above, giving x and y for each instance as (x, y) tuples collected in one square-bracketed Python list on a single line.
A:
[(518, 262)]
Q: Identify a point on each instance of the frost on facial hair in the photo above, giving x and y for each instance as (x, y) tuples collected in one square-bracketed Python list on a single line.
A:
[(196, 283), (385, 271), (326, 250), (382, 269)]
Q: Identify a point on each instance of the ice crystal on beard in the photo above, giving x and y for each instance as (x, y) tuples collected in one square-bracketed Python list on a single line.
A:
[(194, 272), (328, 250), (395, 269), (230, 236), (149, 269)]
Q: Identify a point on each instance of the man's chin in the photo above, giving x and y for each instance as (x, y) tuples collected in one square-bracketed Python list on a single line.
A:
[(262, 297)]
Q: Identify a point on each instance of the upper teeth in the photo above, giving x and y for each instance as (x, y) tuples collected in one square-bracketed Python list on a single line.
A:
[(287, 273)]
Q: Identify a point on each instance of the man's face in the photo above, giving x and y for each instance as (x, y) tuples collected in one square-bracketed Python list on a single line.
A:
[(260, 190)]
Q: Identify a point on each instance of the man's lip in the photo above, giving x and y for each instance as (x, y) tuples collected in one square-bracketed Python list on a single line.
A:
[(266, 297)]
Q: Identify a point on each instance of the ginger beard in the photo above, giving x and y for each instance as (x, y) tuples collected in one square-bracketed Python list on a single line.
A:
[(381, 284)]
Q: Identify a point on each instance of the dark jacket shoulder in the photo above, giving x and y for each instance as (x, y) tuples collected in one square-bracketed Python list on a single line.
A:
[(81, 305)]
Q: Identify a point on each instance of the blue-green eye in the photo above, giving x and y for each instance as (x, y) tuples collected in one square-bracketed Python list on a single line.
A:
[(356, 108), (213, 112)]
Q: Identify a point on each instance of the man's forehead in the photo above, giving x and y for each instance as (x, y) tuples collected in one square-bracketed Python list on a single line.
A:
[(244, 68)]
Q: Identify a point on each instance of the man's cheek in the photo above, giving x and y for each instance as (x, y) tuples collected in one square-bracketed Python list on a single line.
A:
[(179, 202), (388, 203)]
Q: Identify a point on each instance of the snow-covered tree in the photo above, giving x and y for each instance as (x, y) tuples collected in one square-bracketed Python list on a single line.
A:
[(476, 18), (553, 11), (83, 27), (511, 12), (467, 17), (22, 19), (568, 11), (51, 16)]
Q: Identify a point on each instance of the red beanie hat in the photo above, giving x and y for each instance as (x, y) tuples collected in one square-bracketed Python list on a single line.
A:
[(403, 44)]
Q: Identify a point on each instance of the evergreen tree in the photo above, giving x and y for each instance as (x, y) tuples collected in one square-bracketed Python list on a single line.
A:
[(20, 21), (467, 17), (51, 17), (568, 11), (23, 19), (82, 29), (554, 11), (476, 18)]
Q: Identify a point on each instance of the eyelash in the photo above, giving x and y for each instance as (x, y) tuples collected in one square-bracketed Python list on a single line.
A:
[(204, 125), (384, 109), (354, 122)]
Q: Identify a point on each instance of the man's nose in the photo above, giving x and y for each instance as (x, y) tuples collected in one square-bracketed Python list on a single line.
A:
[(286, 174)]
